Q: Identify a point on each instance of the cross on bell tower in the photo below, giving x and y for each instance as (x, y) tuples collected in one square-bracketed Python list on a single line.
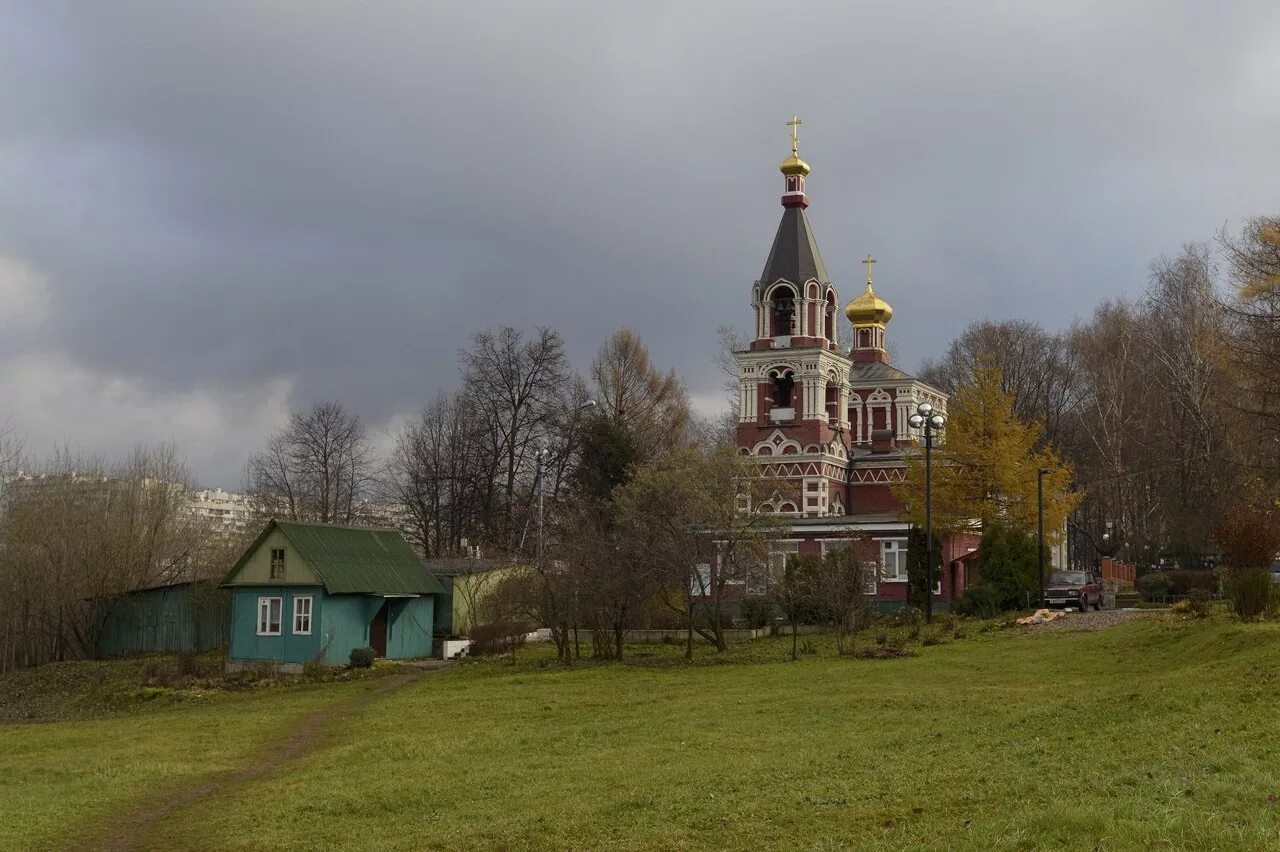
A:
[(794, 169)]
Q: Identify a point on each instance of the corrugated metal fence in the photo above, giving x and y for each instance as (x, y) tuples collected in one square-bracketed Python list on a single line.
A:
[(184, 617)]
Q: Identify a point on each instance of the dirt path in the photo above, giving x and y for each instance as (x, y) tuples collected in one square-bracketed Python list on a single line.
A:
[(130, 831)]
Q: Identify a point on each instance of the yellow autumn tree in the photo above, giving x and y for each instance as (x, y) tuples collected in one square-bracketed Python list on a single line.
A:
[(985, 464)]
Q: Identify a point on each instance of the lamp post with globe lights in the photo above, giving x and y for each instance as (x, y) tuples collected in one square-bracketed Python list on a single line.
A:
[(930, 421)]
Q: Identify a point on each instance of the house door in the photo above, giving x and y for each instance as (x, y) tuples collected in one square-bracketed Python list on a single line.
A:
[(378, 632)]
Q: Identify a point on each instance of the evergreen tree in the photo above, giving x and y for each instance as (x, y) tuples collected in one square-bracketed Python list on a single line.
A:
[(1009, 566), (607, 458), (917, 581)]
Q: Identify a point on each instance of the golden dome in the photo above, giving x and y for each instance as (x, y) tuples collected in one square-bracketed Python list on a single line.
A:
[(793, 165), (868, 309)]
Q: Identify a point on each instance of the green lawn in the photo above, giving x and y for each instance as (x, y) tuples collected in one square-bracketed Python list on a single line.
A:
[(1155, 734)]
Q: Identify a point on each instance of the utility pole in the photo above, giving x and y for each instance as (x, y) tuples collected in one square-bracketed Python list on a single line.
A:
[(542, 469)]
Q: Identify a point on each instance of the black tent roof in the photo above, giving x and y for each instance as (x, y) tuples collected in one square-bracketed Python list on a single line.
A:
[(794, 255)]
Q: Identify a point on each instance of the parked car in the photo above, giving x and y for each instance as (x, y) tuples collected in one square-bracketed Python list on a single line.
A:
[(1275, 571), (1073, 588)]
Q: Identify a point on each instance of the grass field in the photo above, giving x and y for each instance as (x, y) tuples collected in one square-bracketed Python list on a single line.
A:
[(1154, 734)]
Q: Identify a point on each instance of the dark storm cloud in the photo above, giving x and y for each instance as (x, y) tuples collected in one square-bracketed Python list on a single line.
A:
[(230, 208)]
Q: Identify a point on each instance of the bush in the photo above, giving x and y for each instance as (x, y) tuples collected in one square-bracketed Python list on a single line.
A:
[(1199, 602), (1155, 586), (362, 658), (1253, 593), (978, 602), (189, 665), (755, 612), (908, 616), (497, 638), (1186, 582)]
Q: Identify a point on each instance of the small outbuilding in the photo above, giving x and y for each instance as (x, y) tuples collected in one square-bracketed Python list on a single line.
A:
[(312, 592)]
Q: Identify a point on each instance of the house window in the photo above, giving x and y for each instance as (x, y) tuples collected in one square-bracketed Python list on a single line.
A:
[(302, 615), (277, 563), (893, 560), (269, 616)]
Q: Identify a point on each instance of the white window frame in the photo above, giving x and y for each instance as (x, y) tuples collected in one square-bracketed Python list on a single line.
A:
[(895, 546), (264, 615), (297, 613), (271, 571)]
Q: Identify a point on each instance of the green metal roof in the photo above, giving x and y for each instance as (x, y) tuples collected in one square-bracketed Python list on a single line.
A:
[(353, 560)]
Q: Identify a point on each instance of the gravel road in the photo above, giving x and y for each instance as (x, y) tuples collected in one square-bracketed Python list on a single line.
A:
[(1081, 622)]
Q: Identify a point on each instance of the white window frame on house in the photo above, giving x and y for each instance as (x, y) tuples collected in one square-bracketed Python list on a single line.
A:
[(264, 615), (898, 548), (277, 574), (779, 551), (302, 615)]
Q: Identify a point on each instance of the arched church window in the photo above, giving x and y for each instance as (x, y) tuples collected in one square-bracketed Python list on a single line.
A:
[(831, 316), (784, 309), (864, 338)]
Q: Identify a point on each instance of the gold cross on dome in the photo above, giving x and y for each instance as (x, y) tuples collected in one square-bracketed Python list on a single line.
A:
[(870, 260), (794, 124)]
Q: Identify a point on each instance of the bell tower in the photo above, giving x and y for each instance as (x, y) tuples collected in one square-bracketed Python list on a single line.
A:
[(793, 380)]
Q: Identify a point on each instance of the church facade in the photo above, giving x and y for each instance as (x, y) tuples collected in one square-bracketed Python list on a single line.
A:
[(828, 419)]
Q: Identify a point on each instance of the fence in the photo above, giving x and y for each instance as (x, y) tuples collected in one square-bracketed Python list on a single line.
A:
[(183, 617), (1119, 572)]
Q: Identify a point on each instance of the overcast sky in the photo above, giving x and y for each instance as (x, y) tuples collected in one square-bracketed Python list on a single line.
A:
[(213, 212)]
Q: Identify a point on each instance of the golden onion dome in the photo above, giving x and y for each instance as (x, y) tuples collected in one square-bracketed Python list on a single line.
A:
[(793, 165), (868, 309)]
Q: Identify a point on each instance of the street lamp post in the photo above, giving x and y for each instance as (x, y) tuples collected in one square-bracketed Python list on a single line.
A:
[(925, 418), (1040, 474)]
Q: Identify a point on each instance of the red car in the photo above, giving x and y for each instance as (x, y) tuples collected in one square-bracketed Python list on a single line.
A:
[(1073, 588)]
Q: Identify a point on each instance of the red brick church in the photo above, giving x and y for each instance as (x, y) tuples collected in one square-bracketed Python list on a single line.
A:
[(829, 414)]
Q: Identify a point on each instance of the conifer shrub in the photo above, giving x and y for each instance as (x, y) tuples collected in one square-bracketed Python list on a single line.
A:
[(755, 612), (362, 658), (978, 602), (1010, 566), (1155, 586)]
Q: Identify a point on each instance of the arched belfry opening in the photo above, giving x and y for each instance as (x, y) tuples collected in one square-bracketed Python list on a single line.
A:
[(782, 385), (783, 311)]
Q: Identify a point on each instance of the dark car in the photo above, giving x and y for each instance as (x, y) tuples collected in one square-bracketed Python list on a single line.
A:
[(1073, 588)]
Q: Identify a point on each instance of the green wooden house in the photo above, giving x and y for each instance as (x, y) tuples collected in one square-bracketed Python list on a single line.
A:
[(311, 592)]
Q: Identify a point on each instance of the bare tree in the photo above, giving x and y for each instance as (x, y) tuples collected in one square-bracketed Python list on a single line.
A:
[(844, 584), (652, 406), (78, 532), (697, 520), (1038, 369), (435, 472), (518, 388), (318, 468)]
